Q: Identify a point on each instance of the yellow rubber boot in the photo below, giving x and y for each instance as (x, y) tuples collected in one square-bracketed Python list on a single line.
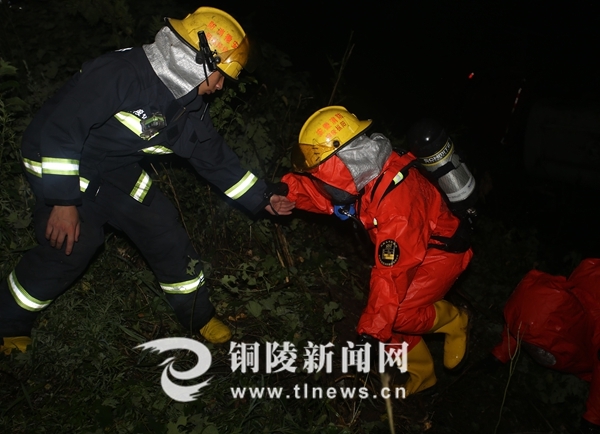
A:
[(420, 369), (215, 331), (454, 323), (15, 343)]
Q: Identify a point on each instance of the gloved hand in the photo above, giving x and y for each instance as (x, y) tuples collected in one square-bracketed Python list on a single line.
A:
[(276, 202), (278, 188), (344, 211), (587, 427), (374, 349)]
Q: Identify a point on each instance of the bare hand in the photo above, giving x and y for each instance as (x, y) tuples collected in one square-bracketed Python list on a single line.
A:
[(63, 225), (280, 205)]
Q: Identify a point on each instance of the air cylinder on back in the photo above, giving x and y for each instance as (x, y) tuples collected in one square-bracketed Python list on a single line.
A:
[(435, 151)]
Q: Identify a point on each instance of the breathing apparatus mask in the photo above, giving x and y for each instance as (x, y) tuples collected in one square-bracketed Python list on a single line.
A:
[(336, 195), (334, 132)]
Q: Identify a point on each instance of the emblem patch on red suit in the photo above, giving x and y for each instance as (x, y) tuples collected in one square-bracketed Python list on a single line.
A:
[(388, 253)]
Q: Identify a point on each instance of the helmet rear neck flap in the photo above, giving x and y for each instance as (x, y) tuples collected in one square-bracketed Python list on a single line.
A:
[(365, 157), (175, 63)]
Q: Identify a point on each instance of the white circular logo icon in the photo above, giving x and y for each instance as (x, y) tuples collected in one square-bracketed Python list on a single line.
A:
[(175, 391)]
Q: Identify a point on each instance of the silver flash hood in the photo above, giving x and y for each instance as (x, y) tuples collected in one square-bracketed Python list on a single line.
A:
[(365, 156), (174, 62)]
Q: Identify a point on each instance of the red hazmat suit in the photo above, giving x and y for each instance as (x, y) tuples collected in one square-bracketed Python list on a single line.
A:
[(559, 316), (400, 213)]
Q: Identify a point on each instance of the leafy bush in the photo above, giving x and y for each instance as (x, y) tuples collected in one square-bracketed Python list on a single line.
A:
[(294, 279), (15, 196)]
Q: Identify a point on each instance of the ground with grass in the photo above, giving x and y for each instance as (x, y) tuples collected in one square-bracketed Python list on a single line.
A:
[(301, 280)]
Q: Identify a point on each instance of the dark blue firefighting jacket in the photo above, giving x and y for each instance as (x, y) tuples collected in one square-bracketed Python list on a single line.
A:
[(92, 132)]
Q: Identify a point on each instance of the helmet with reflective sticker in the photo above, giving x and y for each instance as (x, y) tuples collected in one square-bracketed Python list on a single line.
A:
[(225, 37), (323, 135)]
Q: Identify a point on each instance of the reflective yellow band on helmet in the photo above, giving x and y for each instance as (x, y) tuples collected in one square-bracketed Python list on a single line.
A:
[(398, 178), (242, 186), (183, 287), (33, 167), (157, 150), (142, 186), (22, 298), (59, 166)]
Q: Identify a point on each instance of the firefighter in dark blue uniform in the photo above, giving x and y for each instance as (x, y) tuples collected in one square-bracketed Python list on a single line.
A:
[(81, 154)]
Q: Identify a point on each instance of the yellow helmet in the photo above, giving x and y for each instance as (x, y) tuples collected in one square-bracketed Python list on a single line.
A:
[(226, 39), (323, 134)]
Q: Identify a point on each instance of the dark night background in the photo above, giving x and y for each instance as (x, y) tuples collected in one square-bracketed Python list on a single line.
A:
[(413, 59), (461, 62)]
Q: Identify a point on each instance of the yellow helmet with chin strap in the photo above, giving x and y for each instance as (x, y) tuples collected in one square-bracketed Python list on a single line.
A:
[(217, 37), (324, 134)]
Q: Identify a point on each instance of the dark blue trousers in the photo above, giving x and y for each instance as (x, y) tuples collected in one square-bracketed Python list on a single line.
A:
[(44, 272)]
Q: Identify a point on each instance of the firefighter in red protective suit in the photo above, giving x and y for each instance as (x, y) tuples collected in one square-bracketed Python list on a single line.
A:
[(341, 170), (557, 321)]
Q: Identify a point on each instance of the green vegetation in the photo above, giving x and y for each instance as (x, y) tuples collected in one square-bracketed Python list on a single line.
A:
[(295, 279)]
